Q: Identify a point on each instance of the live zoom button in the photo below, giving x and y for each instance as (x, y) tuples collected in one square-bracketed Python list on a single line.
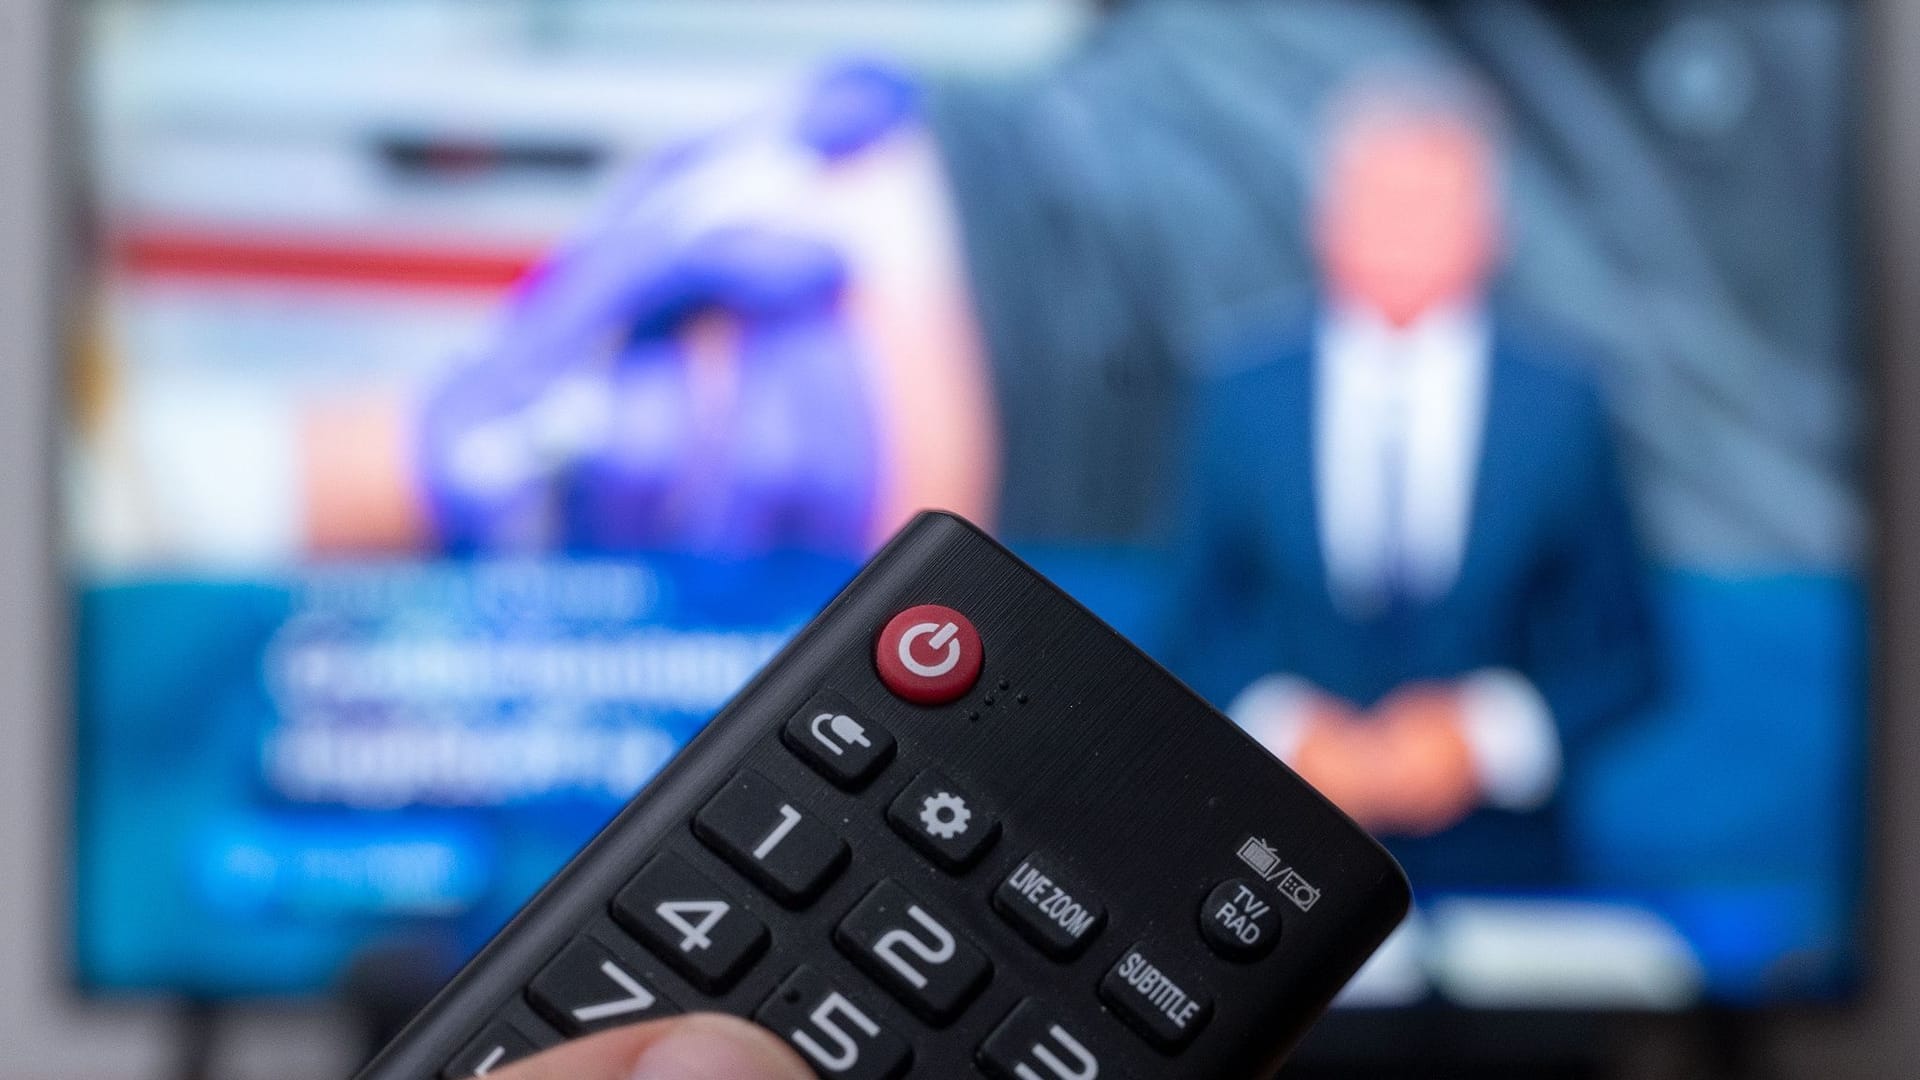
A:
[(1059, 917), (1167, 1009)]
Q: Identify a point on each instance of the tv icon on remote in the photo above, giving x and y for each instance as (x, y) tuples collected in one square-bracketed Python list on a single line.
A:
[(1261, 858)]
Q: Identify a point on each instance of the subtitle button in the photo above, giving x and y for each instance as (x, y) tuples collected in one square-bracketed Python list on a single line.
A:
[(1239, 921), (1167, 1009)]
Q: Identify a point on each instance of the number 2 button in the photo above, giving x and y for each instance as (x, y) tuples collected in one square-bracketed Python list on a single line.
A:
[(688, 921), (765, 835), (913, 952)]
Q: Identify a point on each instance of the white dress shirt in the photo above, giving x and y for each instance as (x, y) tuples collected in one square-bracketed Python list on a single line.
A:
[(1405, 404), (1398, 416)]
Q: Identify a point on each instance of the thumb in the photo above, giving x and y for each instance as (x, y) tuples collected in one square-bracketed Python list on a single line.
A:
[(705, 1047)]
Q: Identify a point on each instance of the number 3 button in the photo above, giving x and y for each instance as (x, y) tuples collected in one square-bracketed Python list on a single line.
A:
[(686, 920)]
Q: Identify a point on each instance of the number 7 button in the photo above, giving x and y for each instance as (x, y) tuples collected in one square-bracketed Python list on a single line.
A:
[(686, 920)]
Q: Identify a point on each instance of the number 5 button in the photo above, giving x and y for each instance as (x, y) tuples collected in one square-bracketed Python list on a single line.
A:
[(835, 1033), (686, 920)]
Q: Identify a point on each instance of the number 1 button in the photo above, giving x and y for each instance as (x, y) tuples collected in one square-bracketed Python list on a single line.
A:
[(760, 830), (686, 920)]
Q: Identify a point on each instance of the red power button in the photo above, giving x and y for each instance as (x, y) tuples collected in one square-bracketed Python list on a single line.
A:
[(928, 654)]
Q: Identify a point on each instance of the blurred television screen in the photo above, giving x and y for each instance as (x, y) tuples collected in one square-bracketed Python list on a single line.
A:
[(1468, 399)]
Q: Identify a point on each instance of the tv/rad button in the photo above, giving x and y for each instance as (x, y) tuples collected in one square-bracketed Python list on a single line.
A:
[(1239, 920)]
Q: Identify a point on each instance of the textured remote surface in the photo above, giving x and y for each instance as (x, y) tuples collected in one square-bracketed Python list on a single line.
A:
[(959, 827)]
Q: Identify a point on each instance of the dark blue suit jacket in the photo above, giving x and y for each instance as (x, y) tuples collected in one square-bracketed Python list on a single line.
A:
[(1550, 584)]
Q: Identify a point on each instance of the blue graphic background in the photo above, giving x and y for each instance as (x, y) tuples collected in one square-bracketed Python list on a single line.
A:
[(1731, 810)]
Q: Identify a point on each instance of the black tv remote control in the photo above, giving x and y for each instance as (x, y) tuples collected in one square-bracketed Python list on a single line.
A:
[(958, 827)]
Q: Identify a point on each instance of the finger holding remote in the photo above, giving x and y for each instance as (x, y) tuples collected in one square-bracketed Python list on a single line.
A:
[(701, 1047)]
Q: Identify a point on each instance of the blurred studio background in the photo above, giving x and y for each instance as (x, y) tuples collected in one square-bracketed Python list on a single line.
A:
[(419, 415)]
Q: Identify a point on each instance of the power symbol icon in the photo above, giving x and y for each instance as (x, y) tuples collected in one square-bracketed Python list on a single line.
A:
[(943, 638), (928, 654)]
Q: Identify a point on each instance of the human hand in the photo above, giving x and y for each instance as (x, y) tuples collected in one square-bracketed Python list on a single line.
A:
[(700, 1047), (1337, 754), (1423, 774), (686, 372)]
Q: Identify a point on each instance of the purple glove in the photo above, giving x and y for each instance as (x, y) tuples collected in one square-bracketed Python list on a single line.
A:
[(854, 104), (777, 452), (548, 440)]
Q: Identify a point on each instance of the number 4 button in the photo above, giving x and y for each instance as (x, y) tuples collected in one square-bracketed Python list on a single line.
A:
[(685, 919)]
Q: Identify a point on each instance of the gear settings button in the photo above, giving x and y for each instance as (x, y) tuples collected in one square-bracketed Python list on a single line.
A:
[(948, 825)]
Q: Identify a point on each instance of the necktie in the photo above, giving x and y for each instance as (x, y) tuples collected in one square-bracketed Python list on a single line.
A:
[(1392, 561)]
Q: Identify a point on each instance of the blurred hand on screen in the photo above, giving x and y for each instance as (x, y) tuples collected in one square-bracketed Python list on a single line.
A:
[(1337, 755), (705, 1047), (1424, 772), (668, 373), (697, 369), (1403, 768)]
